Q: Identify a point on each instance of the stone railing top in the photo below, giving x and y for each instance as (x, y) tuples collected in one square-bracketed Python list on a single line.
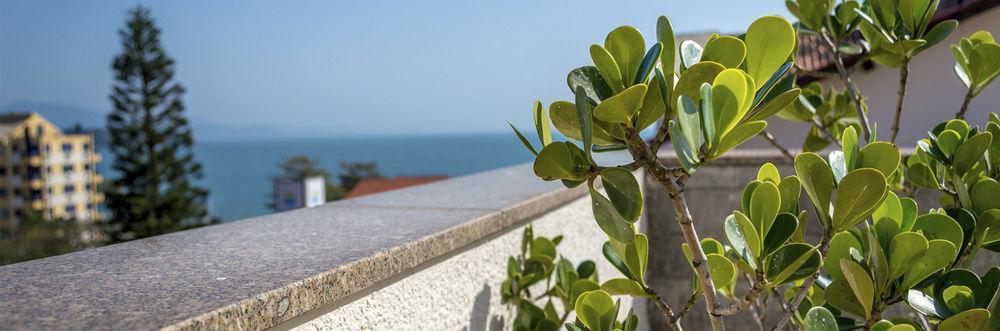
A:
[(259, 272)]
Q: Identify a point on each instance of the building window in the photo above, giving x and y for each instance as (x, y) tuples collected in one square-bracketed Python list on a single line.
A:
[(90, 206), (48, 148), (71, 209), (86, 147), (86, 167), (3, 171), (67, 168), (40, 130), (67, 147), (88, 187), (3, 192), (69, 188)]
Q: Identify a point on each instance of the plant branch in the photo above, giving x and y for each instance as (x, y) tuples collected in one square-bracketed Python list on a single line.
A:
[(904, 72), (804, 289), (749, 299), (965, 105), (824, 130), (852, 89), (774, 142), (673, 320), (687, 306), (660, 138), (683, 217)]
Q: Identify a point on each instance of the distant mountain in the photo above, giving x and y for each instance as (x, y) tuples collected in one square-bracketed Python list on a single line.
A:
[(68, 116)]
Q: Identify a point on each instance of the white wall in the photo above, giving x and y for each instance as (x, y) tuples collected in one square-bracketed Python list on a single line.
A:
[(462, 292), (934, 93)]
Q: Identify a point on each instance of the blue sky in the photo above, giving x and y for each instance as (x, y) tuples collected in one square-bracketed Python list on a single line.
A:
[(335, 68)]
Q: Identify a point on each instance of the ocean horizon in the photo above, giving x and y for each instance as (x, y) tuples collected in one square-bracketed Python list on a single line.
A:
[(238, 174)]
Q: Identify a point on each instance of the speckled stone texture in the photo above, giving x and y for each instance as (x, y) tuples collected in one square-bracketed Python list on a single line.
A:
[(463, 291), (256, 273)]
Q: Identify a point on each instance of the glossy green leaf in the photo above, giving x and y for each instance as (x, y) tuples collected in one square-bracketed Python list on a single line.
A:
[(689, 118), (743, 237), (770, 40), (849, 145), (940, 254), (621, 107), (609, 220), (727, 51), (792, 262), (665, 35), (524, 141), (740, 134), (623, 286), (971, 320), (764, 89), (615, 260), (647, 64), (881, 156), (940, 226), (542, 124), (608, 67), (840, 247), (921, 175), (565, 118), (723, 271), (791, 191), (861, 284), (764, 204), (858, 194), (690, 81), (903, 250), (585, 118), (686, 154), (783, 228), (817, 181), (557, 161), (926, 305), (985, 195), (653, 105), (589, 77), (840, 295), (728, 99), (971, 151), (627, 46), (768, 172), (775, 105), (595, 309), (708, 118), (624, 192), (819, 319)]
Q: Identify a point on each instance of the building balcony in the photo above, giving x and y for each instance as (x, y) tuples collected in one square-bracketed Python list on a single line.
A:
[(443, 246)]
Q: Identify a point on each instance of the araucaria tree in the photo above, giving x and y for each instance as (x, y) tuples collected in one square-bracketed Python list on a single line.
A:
[(871, 247), (154, 191)]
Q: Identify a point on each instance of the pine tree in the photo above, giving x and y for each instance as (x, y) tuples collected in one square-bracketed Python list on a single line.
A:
[(151, 140)]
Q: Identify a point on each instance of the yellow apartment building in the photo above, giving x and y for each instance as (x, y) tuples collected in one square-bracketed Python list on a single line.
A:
[(45, 170)]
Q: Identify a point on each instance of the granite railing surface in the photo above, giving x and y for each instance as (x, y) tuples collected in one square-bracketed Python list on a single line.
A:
[(425, 257)]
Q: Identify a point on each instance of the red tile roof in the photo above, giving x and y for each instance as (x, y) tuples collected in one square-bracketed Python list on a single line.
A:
[(815, 55), (376, 185)]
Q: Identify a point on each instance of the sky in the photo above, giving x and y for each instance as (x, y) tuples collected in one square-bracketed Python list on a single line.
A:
[(337, 68)]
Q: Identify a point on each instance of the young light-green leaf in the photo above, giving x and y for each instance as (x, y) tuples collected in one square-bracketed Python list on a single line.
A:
[(770, 40), (621, 107)]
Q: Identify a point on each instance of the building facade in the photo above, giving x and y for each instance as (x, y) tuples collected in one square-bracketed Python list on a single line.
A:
[(44, 170)]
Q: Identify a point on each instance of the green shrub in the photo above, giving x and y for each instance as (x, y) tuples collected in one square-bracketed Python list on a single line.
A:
[(877, 248)]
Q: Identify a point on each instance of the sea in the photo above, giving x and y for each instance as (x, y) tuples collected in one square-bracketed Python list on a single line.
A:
[(238, 174)]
